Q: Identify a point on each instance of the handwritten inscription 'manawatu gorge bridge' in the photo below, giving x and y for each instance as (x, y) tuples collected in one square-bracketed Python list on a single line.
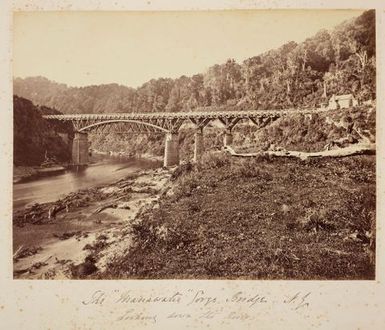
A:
[(167, 122)]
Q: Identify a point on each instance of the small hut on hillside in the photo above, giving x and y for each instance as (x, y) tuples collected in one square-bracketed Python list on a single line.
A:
[(342, 101)]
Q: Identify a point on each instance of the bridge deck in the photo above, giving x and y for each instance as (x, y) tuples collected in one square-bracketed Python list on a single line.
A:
[(182, 115)]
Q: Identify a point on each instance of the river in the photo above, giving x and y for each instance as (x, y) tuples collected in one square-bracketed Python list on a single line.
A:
[(102, 170)]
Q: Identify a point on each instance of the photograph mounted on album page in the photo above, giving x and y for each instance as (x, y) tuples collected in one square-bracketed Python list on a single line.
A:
[(172, 166)]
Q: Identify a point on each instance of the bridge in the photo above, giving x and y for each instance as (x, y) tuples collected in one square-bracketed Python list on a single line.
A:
[(167, 123)]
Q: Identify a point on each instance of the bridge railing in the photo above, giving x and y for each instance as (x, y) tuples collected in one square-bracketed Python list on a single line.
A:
[(183, 115)]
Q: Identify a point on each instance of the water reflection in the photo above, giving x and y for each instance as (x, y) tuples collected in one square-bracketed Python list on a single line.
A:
[(102, 170)]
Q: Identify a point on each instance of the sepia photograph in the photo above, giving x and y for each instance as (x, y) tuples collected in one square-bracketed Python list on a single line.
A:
[(197, 145)]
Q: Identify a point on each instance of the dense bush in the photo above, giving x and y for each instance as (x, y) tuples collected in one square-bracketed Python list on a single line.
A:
[(34, 138), (295, 75), (313, 133)]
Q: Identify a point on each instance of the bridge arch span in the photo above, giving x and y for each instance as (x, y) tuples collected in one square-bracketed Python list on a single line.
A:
[(80, 143), (114, 121)]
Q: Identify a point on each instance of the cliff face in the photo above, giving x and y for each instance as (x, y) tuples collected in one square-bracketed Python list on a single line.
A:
[(34, 136)]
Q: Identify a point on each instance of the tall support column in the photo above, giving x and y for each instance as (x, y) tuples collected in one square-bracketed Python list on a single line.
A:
[(229, 123), (171, 150), (199, 149), (80, 149), (198, 146), (228, 138)]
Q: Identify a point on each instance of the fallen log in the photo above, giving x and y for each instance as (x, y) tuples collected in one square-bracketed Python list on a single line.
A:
[(56, 209), (16, 254), (358, 149), (107, 206)]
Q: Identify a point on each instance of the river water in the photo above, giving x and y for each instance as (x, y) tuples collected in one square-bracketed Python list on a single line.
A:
[(102, 170)]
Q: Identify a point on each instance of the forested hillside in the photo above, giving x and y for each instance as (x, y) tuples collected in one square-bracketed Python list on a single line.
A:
[(35, 138), (295, 75)]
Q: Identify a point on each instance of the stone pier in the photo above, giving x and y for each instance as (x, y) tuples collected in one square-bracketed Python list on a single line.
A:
[(228, 139), (80, 149), (171, 150), (198, 146)]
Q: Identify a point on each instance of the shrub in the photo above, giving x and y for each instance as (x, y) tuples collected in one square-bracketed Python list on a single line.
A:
[(253, 168), (186, 184), (182, 170), (248, 169), (214, 160)]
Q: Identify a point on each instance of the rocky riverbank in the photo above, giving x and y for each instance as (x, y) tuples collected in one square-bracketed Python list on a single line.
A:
[(22, 173), (76, 235)]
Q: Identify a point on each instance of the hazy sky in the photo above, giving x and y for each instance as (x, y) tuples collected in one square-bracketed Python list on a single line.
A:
[(129, 48)]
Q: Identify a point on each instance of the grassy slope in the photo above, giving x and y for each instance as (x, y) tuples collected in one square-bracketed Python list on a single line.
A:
[(260, 219)]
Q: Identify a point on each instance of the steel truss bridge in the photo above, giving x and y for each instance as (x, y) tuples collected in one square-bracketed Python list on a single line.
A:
[(166, 122), (170, 122)]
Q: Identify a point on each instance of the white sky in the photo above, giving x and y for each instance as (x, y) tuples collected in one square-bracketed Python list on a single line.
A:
[(130, 48)]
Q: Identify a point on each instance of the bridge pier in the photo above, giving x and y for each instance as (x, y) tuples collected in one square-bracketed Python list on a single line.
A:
[(228, 138), (80, 149), (229, 123), (198, 146), (171, 150)]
